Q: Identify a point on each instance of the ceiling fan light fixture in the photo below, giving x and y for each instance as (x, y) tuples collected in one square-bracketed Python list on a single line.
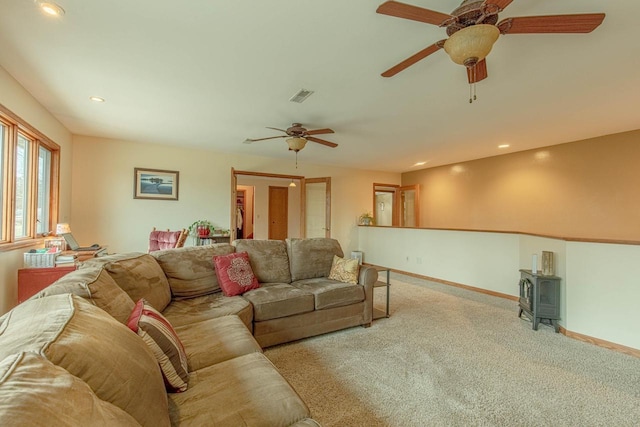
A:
[(296, 143), (50, 8), (471, 45)]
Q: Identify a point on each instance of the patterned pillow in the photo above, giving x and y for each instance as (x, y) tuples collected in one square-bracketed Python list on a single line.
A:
[(234, 273), (344, 270), (158, 334)]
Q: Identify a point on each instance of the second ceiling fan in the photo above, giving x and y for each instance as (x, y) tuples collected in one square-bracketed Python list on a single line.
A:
[(473, 27), (298, 137)]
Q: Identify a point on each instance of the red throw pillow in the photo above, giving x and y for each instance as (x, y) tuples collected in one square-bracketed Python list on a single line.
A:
[(234, 273), (158, 334)]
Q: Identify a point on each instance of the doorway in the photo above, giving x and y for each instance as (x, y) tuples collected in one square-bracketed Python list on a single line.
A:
[(397, 206), (300, 213)]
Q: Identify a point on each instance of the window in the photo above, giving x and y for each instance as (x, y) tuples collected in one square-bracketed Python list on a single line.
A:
[(28, 182)]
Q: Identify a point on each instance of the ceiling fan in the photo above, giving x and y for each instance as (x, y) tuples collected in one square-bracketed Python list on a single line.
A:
[(298, 137), (473, 27)]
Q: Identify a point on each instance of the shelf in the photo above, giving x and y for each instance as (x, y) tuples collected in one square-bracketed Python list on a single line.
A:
[(377, 313), (380, 284)]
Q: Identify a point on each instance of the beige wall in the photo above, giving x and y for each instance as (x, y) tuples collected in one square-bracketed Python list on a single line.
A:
[(584, 189), (105, 212), (20, 102)]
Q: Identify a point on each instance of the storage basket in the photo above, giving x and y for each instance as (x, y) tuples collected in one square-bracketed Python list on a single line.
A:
[(40, 260)]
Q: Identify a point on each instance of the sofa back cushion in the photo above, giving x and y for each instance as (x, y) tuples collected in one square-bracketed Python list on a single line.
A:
[(139, 275), (312, 258), (96, 286), (269, 260), (190, 270), (88, 343), (35, 392)]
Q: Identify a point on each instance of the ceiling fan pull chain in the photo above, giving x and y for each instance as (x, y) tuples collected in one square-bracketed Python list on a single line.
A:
[(472, 84)]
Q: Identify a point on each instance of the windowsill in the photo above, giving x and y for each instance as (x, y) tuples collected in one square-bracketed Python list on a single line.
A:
[(6, 247)]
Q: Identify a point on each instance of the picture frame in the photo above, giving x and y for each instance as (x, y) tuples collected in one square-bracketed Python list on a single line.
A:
[(155, 184)]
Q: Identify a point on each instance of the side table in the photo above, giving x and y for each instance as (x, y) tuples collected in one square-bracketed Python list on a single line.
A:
[(33, 280), (377, 313)]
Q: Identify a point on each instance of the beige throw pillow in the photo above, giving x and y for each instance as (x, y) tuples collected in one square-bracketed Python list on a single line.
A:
[(344, 270)]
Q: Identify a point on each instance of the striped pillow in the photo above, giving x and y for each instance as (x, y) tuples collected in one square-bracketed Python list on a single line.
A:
[(158, 334)]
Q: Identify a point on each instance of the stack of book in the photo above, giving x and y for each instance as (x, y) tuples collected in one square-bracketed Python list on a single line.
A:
[(66, 260)]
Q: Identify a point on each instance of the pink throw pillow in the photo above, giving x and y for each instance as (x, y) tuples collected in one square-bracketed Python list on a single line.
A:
[(159, 335), (234, 273)]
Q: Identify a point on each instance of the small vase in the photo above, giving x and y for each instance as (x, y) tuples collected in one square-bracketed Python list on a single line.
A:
[(203, 231)]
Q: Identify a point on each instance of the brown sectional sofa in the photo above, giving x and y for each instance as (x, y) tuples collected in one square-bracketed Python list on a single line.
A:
[(67, 358)]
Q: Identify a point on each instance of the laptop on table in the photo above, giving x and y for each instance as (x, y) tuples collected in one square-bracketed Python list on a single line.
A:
[(74, 246)]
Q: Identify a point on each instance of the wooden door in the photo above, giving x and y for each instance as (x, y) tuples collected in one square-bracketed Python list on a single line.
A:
[(278, 212)]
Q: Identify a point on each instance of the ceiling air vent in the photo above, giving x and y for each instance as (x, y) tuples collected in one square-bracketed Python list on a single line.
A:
[(301, 95)]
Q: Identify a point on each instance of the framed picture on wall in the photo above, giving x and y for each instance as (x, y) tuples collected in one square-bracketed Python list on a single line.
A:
[(155, 184)]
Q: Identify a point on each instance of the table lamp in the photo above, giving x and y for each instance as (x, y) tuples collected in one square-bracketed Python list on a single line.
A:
[(62, 229)]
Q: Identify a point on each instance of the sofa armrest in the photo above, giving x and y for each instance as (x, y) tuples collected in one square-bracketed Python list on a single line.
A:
[(367, 277)]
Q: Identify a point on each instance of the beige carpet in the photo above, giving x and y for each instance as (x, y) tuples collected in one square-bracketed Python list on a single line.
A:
[(452, 357)]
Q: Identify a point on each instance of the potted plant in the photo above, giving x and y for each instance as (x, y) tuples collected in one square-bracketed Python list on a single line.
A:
[(366, 219), (200, 228)]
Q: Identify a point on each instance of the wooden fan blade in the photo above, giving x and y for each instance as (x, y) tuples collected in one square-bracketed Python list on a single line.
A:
[(580, 23), (321, 141), (319, 131), (413, 59), (500, 4), (415, 13), (480, 72), (250, 140), (281, 130)]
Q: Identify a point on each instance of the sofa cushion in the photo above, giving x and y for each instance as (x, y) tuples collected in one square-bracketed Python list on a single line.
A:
[(274, 300), (158, 334), (311, 258), (216, 340), (331, 293), (193, 310), (90, 344), (35, 392), (190, 270), (139, 275), (344, 270), (269, 260), (244, 391), (234, 273), (96, 286)]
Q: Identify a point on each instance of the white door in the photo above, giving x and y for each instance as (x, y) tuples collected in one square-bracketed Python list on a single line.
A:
[(317, 216)]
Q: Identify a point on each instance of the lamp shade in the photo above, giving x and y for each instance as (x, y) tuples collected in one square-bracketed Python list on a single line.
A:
[(471, 45), (62, 228), (296, 143)]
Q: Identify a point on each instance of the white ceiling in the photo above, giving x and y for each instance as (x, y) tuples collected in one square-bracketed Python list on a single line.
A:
[(210, 73)]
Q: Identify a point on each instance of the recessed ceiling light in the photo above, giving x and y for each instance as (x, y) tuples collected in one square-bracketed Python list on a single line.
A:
[(420, 164), (96, 99), (503, 146), (51, 8)]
